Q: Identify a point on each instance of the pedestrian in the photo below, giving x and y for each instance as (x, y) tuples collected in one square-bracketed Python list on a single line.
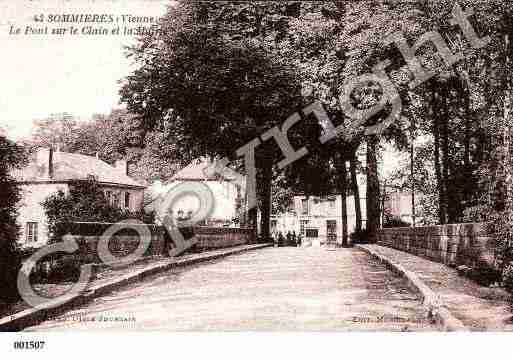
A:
[(294, 238), (299, 240), (281, 239), (289, 238)]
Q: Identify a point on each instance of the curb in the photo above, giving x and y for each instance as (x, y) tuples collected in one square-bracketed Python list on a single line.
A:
[(34, 316), (436, 308)]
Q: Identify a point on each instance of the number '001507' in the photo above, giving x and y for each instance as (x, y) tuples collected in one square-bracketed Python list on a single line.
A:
[(29, 345)]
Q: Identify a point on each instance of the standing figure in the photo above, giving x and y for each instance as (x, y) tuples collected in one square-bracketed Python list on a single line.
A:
[(289, 238), (281, 239)]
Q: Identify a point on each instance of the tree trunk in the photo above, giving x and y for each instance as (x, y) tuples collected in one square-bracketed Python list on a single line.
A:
[(467, 180), (265, 199), (372, 196), (342, 173), (444, 134), (440, 185), (356, 193), (507, 163), (252, 219)]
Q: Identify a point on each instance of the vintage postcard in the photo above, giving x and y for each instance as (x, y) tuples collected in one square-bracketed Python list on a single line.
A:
[(255, 166)]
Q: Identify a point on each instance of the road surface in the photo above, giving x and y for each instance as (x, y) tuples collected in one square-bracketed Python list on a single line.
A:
[(269, 289)]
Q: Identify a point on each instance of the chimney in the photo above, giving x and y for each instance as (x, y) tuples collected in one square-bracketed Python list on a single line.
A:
[(121, 166), (44, 160)]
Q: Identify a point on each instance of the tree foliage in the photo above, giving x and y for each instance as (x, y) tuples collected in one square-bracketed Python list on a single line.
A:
[(12, 156), (214, 76), (119, 135)]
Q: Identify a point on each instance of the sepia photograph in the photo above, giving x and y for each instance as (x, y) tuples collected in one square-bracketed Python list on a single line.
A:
[(315, 170)]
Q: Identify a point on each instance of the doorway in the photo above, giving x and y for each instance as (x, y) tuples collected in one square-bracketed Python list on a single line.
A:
[(331, 232)]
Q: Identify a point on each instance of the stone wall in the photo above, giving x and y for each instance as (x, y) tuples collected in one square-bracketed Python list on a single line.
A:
[(119, 246), (208, 238), (88, 235), (467, 244), (64, 267), (221, 237)]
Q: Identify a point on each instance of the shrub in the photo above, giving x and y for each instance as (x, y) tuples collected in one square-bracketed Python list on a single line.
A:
[(502, 228), (85, 202), (475, 214), (501, 225), (10, 264), (507, 277), (63, 269), (11, 156)]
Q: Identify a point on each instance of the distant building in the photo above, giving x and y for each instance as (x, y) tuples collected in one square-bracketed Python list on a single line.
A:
[(51, 171), (61, 116), (398, 205), (319, 219), (228, 197)]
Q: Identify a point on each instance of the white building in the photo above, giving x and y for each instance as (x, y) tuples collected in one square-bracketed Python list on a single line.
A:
[(49, 172), (228, 199)]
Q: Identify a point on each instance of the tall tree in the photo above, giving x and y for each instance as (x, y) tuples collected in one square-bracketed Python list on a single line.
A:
[(320, 56), (214, 75), (367, 25)]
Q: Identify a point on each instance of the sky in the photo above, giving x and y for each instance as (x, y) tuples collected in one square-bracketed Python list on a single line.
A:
[(44, 74)]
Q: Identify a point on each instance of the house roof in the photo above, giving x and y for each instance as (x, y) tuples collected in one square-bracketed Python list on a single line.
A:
[(72, 166), (195, 171)]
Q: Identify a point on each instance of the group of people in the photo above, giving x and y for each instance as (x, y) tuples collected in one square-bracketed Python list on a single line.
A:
[(291, 239)]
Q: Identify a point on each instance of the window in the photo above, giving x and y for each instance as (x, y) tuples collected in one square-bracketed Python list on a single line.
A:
[(127, 200), (332, 203), (302, 227), (274, 225), (31, 232), (115, 201), (331, 230), (312, 232), (108, 196), (304, 206)]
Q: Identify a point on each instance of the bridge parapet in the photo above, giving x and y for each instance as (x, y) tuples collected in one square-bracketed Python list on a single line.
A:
[(469, 244)]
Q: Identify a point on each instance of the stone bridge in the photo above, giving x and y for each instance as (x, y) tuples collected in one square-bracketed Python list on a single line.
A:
[(267, 289)]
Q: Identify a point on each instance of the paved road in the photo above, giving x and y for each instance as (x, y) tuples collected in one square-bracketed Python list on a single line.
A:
[(268, 289)]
